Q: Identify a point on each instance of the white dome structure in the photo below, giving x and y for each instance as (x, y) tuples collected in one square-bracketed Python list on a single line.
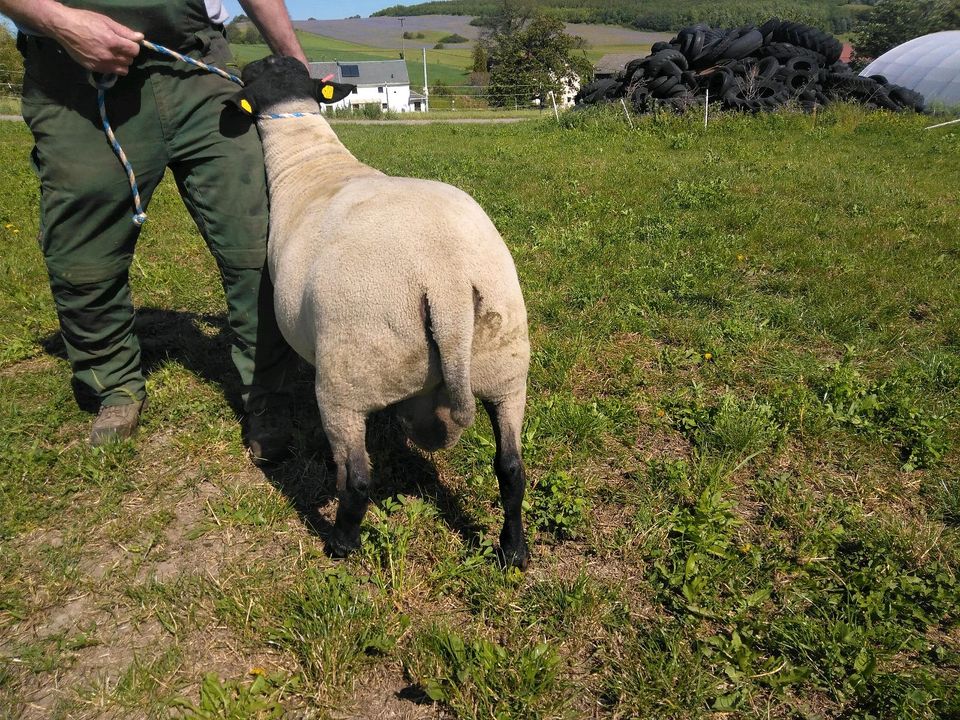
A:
[(929, 65)]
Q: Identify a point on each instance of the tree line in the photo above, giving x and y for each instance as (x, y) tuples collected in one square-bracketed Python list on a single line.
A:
[(659, 15)]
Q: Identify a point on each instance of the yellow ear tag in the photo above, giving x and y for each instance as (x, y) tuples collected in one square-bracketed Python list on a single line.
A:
[(245, 104), (327, 92)]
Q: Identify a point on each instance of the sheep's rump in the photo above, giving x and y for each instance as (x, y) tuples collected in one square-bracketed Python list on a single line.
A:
[(376, 290)]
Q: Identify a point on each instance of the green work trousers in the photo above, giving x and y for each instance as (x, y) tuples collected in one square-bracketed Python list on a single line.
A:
[(165, 115)]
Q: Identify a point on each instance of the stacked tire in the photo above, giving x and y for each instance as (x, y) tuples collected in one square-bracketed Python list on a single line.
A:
[(748, 69)]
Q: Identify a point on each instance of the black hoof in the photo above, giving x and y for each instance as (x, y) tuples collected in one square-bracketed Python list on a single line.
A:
[(340, 545), (518, 556)]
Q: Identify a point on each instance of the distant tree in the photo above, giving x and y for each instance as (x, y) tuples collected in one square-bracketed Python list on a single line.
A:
[(665, 15), (11, 64), (479, 79), (236, 33), (892, 22), (530, 56), (243, 32), (10, 57), (510, 18), (947, 15), (454, 39), (252, 36), (481, 58)]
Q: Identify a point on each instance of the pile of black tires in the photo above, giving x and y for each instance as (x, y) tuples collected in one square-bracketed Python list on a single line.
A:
[(751, 69)]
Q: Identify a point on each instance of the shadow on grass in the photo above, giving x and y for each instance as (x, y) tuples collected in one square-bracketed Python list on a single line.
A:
[(308, 479), (201, 344)]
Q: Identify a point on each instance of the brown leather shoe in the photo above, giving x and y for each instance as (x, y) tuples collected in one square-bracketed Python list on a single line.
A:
[(268, 435), (115, 422)]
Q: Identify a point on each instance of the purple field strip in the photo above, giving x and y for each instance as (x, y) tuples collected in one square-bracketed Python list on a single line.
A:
[(615, 35), (385, 32)]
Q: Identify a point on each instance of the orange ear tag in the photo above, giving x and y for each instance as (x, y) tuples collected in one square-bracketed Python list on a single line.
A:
[(327, 92), (245, 104)]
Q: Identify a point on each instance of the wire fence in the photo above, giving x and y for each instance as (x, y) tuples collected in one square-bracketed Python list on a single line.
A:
[(10, 87), (498, 98), (442, 97), (10, 79)]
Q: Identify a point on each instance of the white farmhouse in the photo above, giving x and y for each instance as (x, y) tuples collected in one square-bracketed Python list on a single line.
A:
[(571, 86), (385, 83)]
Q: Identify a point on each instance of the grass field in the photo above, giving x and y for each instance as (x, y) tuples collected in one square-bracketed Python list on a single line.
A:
[(448, 66), (741, 438), (387, 32)]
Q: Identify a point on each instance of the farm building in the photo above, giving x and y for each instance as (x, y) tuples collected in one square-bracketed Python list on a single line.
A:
[(929, 65), (570, 85), (385, 83)]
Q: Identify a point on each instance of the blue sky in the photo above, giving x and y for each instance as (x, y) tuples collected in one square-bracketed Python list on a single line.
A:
[(330, 9), (320, 9)]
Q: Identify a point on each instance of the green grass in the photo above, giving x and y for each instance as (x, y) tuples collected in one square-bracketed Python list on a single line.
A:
[(741, 437), (9, 106)]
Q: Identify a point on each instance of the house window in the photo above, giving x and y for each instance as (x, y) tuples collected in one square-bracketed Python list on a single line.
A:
[(380, 90), (385, 106), (354, 92)]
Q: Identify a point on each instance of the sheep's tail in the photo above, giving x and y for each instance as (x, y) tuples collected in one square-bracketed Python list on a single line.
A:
[(450, 324)]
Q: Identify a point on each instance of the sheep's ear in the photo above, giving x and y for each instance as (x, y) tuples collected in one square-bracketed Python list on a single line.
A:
[(243, 102), (330, 92)]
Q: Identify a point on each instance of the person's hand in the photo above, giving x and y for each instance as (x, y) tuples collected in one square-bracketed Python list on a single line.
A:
[(97, 42)]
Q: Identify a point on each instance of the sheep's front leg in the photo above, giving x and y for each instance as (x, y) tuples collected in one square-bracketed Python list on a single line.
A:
[(346, 433), (506, 415)]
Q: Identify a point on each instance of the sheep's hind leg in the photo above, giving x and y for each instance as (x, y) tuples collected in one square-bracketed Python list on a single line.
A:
[(346, 433), (506, 415)]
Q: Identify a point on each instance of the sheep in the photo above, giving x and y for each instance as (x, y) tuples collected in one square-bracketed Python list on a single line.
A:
[(399, 291)]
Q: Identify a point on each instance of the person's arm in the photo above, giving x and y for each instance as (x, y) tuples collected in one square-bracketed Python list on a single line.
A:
[(273, 22), (93, 40)]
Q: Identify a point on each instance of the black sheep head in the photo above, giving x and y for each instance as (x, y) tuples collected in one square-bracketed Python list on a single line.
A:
[(278, 79)]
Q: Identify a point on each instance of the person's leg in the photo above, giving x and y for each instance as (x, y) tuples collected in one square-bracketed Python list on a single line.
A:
[(87, 235), (217, 161)]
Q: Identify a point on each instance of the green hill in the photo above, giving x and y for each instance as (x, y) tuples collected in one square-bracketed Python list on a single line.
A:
[(663, 15)]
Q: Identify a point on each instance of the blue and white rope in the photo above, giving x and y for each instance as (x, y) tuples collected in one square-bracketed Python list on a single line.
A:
[(105, 82), (283, 116), (190, 61)]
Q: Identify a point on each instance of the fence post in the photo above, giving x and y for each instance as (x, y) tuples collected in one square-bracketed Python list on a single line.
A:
[(627, 113), (943, 124)]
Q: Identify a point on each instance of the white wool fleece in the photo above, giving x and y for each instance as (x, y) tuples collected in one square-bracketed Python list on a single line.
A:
[(370, 271)]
